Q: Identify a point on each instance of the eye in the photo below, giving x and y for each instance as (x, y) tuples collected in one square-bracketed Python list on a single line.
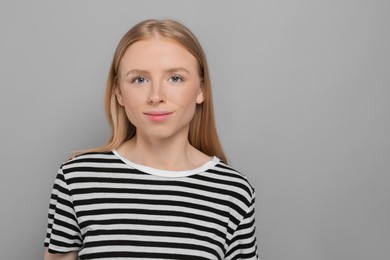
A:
[(139, 80), (176, 79)]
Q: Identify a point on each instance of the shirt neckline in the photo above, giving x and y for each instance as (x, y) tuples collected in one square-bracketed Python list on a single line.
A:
[(169, 174)]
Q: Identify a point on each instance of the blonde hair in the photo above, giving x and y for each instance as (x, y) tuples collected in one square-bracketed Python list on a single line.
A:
[(202, 131)]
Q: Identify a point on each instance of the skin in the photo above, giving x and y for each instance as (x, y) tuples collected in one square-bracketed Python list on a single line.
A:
[(157, 75), (68, 256)]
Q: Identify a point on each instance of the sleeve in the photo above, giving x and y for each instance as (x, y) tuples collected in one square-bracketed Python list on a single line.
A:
[(63, 232), (243, 244)]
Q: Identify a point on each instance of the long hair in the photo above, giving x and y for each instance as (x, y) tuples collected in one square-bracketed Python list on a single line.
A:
[(202, 131)]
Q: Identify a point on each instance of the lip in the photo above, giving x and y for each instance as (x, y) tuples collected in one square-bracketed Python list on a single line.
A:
[(158, 116)]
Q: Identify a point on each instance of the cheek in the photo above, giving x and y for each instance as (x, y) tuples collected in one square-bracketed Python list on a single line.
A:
[(185, 97), (132, 98), (132, 115), (131, 105)]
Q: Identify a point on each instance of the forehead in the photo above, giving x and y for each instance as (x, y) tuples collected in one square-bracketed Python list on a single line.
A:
[(157, 52)]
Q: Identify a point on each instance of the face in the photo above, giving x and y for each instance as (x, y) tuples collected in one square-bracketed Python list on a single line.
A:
[(159, 86)]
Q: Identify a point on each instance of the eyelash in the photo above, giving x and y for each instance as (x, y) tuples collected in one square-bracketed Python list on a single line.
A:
[(135, 80), (179, 79)]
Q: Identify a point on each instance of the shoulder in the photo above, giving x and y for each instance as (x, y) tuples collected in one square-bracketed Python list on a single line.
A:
[(234, 175), (90, 160), (91, 167), (90, 157), (235, 182)]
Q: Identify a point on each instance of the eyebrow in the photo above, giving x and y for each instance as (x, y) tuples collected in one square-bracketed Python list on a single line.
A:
[(136, 71), (177, 69)]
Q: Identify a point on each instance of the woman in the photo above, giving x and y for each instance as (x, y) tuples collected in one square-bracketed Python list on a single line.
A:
[(160, 188)]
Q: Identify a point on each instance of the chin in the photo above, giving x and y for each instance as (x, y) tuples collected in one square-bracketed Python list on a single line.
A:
[(165, 134)]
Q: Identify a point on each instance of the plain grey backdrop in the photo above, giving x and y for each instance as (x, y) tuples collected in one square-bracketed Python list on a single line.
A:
[(301, 89)]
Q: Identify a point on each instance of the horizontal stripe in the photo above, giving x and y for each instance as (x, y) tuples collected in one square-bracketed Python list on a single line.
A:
[(143, 255), (106, 209)]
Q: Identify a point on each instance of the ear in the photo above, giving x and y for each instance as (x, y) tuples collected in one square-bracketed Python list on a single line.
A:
[(118, 95), (200, 97)]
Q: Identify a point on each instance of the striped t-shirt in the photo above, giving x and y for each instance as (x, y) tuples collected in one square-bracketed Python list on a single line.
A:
[(106, 207)]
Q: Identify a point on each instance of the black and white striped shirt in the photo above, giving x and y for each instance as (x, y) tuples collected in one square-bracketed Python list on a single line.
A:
[(106, 207)]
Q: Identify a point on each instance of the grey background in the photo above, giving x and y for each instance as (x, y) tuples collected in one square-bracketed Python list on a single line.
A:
[(302, 103)]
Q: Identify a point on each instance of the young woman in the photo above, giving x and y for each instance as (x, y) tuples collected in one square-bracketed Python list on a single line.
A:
[(160, 188)]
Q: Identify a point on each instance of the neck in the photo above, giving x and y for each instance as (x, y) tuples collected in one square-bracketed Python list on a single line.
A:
[(174, 154)]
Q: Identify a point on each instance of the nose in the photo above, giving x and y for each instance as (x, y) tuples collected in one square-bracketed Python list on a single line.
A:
[(156, 95)]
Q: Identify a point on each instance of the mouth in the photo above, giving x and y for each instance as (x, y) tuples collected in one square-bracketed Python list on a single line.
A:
[(158, 116)]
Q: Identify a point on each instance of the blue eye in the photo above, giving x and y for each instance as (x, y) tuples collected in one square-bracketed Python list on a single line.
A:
[(139, 80), (176, 79)]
